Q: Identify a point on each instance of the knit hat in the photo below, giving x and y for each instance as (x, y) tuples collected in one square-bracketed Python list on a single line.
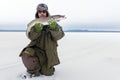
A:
[(42, 7)]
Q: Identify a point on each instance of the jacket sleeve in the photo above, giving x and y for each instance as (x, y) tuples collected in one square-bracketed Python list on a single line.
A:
[(57, 33), (33, 34)]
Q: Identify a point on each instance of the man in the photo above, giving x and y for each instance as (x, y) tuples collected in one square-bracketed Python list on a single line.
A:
[(40, 56)]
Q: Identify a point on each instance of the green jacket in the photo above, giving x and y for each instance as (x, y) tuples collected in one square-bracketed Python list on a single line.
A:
[(47, 40)]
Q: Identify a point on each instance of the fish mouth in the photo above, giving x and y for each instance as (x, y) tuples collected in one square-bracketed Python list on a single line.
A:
[(64, 16)]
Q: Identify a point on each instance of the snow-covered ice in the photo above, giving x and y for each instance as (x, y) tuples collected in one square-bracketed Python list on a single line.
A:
[(83, 56)]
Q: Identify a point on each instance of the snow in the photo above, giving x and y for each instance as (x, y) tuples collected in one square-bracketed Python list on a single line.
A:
[(83, 56)]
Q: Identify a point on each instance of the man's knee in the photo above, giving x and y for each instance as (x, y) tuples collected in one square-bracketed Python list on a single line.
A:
[(30, 61)]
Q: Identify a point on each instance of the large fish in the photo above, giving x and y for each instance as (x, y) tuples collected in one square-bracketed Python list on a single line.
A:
[(44, 21)]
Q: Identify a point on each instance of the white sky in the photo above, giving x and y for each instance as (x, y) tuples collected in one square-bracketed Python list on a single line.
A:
[(82, 11)]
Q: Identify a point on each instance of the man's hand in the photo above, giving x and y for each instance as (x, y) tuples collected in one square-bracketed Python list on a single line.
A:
[(52, 23), (38, 26)]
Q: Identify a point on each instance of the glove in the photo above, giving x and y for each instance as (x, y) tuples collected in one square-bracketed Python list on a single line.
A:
[(38, 26), (52, 23)]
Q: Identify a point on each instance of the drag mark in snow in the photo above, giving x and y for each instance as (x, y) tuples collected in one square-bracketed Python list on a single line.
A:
[(2, 67)]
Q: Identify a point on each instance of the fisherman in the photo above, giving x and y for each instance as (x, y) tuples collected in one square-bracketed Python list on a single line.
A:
[(40, 55)]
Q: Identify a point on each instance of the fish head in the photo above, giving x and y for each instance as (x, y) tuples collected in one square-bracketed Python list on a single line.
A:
[(58, 17)]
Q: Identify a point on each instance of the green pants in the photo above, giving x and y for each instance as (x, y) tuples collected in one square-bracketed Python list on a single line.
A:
[(37, 62)]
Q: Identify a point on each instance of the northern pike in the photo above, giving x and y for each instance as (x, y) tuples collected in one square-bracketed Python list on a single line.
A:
[(44, 21)]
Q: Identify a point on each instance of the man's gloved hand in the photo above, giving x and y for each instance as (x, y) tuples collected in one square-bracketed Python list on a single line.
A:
[(38, 26), (52, 23)]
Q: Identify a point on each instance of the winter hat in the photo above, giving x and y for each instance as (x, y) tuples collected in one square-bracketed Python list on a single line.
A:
[(42, 7)]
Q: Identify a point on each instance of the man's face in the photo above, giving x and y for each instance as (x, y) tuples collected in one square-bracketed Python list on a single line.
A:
[(42, 14)]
